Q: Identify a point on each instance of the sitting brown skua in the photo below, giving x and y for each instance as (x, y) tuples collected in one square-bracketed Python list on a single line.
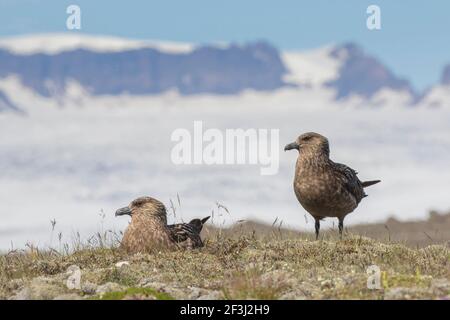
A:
[(149, 231)]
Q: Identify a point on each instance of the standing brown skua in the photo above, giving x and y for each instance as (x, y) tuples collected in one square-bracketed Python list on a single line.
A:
[(324, 188)]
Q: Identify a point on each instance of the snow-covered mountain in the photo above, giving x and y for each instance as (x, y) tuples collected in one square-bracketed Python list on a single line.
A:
[(349, 73), (122, 100), (107, 66), (345, 68), (362, 74), (114, 67)]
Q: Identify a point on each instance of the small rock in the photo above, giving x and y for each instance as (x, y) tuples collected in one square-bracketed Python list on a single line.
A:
[(440, 286), (122, 263), (326, 284), (211, 295), (88, 287), (24, 294), (339, 283), (293, 295), (401, 293), (171, 289), (108, 287), (204, 294), (139, 297), (40, 288), (395, 293), (68, 296), (195, 293)]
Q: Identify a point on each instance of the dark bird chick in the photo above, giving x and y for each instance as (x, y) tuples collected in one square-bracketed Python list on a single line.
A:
[(324, 188), (181, 232), (148, 229)]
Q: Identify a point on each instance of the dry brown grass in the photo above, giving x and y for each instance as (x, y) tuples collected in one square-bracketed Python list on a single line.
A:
[(242, 267), (418, 233)]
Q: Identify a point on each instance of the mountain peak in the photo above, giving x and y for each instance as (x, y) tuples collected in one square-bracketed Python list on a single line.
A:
[(362, 74), (445, 78), (347, 50)]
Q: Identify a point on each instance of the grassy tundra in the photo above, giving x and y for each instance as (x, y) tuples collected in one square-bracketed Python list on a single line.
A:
[(273, 266)]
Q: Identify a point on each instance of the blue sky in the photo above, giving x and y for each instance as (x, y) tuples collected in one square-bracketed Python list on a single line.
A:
[(414, 40)]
